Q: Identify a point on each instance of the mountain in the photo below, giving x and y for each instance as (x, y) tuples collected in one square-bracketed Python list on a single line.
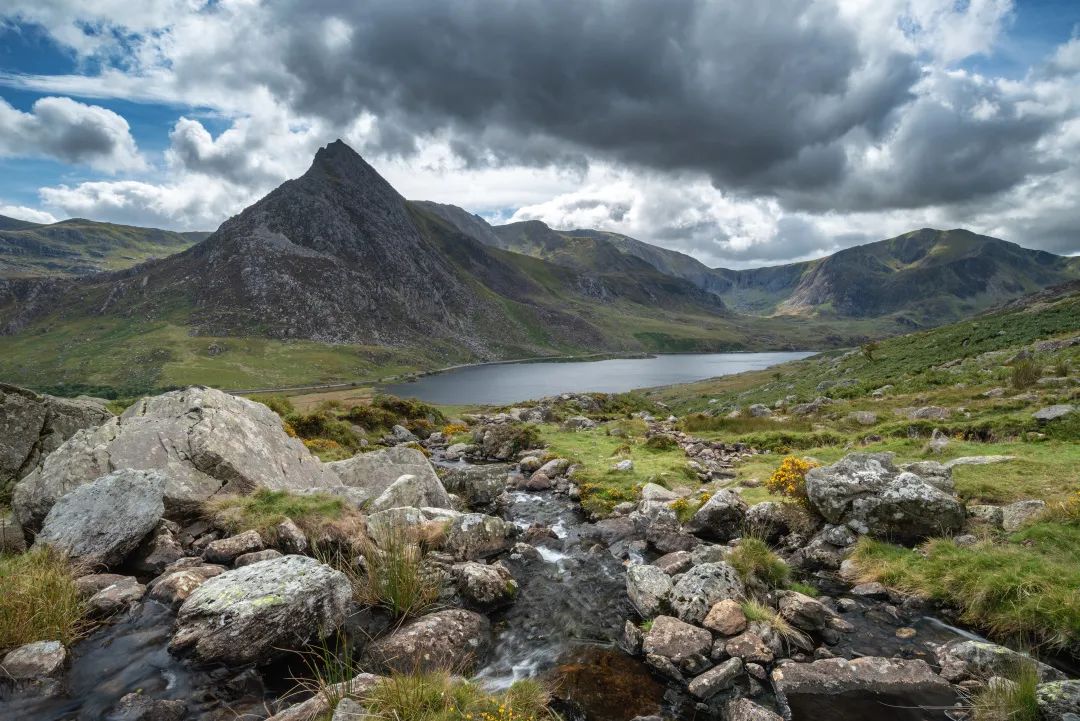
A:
[(334, 275), (923, 278), (79, 247)]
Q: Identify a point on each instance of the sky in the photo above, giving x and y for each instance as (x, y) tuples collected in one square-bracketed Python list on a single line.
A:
[(741, 133)]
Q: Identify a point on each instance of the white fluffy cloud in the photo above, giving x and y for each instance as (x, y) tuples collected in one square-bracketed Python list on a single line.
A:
[(32, 215), (69, 131)]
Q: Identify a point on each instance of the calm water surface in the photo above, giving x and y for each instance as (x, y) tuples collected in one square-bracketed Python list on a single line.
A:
[(513, 382)]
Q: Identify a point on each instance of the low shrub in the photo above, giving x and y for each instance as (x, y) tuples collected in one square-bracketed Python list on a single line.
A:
[(278, 404), (38, 600), (661, 442), (789, 480), (1025, 373), (517, 437), (787, 441), (408, 408), (395, 577)]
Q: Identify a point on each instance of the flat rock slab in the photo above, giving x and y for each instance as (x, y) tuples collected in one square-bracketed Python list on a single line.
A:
[(254, 613)]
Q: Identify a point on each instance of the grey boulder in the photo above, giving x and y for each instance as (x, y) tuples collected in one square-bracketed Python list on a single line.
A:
[(700, 588), (368, 475), (103, 521), (649, 589), (455, 639), (254, 613), (423, 491), (721, 517), (1058, 700), (979, 660)]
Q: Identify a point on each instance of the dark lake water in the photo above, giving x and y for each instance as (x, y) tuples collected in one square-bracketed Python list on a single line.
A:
[(513, 382)]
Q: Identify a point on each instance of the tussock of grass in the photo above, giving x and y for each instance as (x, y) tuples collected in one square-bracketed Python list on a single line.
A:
[(321, 517), (1026, 589), (395, 577), (804, 589), (442, 697), (38, 601), (1012, 701), (791, 636), (754, 560)]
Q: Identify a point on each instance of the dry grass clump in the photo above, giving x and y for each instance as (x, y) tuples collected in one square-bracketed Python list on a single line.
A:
[(38, 600)]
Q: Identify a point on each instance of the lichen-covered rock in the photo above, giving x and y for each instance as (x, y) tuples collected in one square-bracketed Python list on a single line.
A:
[(103, 521), (202, 440), (979, 660), (254, 613), (479, 486), (470, 536), (1058, 699), (649, 589), (721, 517), (484, 585), (455, 639), (1017, 515), (702, 587), (870, 679), (742, 709), (749, 646), (676, 640), (868, 491), (226, 550), (416, 491), (33, 661), (716, 679)]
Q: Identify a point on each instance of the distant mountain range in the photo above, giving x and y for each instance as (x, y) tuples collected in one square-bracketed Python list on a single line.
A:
[(78, 247), (334, 275)]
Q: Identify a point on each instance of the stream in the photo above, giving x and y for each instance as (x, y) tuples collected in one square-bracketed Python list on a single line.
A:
[(563, 627)]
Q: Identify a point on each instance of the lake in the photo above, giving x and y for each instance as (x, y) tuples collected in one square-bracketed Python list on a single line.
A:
[(512, 382)]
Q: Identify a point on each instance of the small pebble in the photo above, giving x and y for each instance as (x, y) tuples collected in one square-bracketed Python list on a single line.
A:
[(905, 632)]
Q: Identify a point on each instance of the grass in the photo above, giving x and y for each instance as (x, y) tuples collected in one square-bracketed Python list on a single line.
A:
[(395, 577), (38, 600), (1024, 588), (1014, 700), (791, 636), (443, 697), (804, 588), (319, 516), (754, 560)]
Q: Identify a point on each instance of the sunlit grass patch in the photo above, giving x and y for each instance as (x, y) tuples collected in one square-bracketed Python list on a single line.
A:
[(38, 600)]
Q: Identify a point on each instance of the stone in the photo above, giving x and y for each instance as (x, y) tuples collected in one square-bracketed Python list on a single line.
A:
[(741, 709), (624, 466), (401, 434), (656, 492), (674, 562), (137, 707), (423, 491), (227, 550), (203, 441), (767, 520), (471, 536), (554, 468), (349, 710), (12, 539), (115, 597), (1017, 515), (529, 464), (632, 638), (803, 612), (720, 518), (872, 680), (935, 413), (675, 640), (101, 522), (716, 679), (726, 618), (483, 585), (868, 490), (254, 613), (985, 514), (700, 588), (1053, 413), (480, 486), (1058, 700), (319, 705), (368, 475), (979, 660), (872, 589), (289, 538), (649, 589), (863, 418), (748, 646), (255, 556), (33, 425), (174, 586), (454, 639), (86, 586), (759, 410), (158, 550), (579, 423), (33, 661)]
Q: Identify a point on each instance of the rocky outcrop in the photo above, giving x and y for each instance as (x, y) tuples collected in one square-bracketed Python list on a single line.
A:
[(456, 640), (101, 522), (254, 613), (479, 486), (204, 441), (368, 475), (32, 426), (866, 491)]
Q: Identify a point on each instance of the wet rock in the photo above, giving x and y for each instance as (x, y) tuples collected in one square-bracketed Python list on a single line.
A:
[(416, 491), (675, 640), (369, 475), (613, 530), (803, 612), (87, 586), (32, 426), (721, 517), (741, 709), (137, 707), (649, 589), (861, 685), (227, 550), (979, 660), (101, 522), (471, 536), (115, 597), (34, 661), (203, 441), (256, 556), (716, 679), (726, 618), (866, 489), (454, 639), (664, 666), (485, 586), (748, 646), (254, 613), (702, 587), (632, 638), (674, 562), (455, 451), (1017, 515), (1058, 700), (174, 586), (1053, 413)]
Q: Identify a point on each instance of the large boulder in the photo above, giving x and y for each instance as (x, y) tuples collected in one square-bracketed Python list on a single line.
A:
[(721, 517), (32, 426), (676, 640), (1058, 700), (101, 522), (479, 486), (254, 613), (702, 587), (409, 491), (455, 640), (979, 660), (649, 588), (203, 440), (867, 491), (368, 475), (470, 536)]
